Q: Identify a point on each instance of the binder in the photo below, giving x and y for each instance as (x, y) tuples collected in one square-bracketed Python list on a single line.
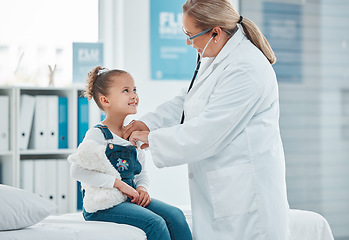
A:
[(83, 125), (4, 123), (63, 169), (62, 122), (52, 121), (45, 179), (79, 199), (40, 177), (103, 116), (27, 175), (83, 118), (51, 184), (26, 115), (94, 113), (38, 137)]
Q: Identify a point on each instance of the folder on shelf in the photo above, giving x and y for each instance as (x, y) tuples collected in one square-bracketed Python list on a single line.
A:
[(83, 118), (52, 122), (62, 122), (4, 123), (27, 175), (83, 125), (45, 127), (51, 184), (45, 179), (94, 113), (79, 199), (103, 116), (38, 138), (26, 115), (40, 175), (63, 169)]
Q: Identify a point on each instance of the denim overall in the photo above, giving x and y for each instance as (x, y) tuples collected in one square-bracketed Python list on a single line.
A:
[(123, 158), (158, 220)]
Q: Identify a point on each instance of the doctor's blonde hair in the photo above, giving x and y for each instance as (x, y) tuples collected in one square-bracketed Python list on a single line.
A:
[(99, 81), (221, 13)]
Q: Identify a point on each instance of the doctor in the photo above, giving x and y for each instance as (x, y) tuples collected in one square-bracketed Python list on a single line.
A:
[(230, 135)]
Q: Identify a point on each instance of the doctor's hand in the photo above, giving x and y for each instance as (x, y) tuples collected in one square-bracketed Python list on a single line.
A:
[(141, 136), (144, 198), (134, 126)]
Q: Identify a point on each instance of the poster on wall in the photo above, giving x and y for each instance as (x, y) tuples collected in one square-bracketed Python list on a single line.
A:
[(283, 30), (85, 57), (171, 58)]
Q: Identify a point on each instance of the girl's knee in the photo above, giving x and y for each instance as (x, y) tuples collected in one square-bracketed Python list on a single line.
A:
[(177, 214), (158, 223), (157, 229)]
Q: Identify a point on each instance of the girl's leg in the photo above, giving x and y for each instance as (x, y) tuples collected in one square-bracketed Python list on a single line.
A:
[(152, 224), (174, 217)]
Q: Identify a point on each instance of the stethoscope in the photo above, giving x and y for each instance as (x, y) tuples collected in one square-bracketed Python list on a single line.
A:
[(198, 63)]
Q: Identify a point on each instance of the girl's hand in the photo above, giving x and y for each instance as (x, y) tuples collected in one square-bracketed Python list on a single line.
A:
[(144, 198), (127, 190), (134, 126), (140, 136)]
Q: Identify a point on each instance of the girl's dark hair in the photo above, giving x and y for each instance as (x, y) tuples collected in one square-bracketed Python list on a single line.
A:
[(99, 81)]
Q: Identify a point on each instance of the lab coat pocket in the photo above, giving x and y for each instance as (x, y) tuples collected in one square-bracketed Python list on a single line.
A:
[(232, 190)]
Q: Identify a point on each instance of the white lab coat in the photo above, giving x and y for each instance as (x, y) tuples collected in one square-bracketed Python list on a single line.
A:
[(231, 142)]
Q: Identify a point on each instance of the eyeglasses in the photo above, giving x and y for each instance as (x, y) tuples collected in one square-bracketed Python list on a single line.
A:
[(196, 35)]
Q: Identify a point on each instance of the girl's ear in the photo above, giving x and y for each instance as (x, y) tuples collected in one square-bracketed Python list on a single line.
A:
[(104, 101)]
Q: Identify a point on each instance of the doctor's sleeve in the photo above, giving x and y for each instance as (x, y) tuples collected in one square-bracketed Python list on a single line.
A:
[(167, 114), (232, 104)]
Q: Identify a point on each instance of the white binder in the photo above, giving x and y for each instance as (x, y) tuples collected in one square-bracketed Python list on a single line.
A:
[(51, 184), (26, 114), (27, 175), (52, 122), (40, 177), (4, 123), (45, 179), (38, 138), (63, 168), (94, 116)]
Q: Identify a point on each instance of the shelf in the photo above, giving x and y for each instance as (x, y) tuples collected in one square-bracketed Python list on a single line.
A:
[(46, 152), (42, 154), (6, 153), (19, 168)]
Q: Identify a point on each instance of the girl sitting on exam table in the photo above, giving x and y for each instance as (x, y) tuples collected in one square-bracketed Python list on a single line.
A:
[(112, 170)]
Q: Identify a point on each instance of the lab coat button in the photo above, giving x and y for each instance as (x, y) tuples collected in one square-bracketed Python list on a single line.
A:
[(190, 175)]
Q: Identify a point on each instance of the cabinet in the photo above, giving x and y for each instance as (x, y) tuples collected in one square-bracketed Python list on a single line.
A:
[(13, 158)]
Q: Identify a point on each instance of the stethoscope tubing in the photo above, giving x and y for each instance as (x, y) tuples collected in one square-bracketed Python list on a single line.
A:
[(196, 71)]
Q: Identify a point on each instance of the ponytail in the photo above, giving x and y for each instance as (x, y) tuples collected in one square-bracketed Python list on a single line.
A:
[(253, 33)]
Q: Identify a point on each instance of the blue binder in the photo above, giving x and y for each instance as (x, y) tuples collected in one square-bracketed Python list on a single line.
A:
[(83, 117), (62, 122), (103, 116), (83, 120)]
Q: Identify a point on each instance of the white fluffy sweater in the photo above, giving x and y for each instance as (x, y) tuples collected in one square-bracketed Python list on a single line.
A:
[(91, 167)]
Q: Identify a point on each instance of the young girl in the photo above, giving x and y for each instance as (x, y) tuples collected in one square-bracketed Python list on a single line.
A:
[(111, 168)]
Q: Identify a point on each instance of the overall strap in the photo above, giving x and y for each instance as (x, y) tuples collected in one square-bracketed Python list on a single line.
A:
[(106, 132)]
